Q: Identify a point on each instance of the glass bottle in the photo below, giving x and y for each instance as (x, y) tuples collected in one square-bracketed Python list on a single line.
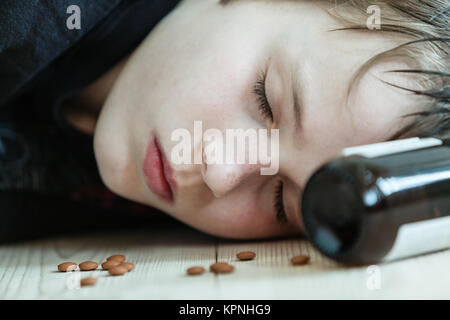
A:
[(381, 202)]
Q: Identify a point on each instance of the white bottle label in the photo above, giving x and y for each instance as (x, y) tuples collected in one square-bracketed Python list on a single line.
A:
[(421, 237), (391, 147)]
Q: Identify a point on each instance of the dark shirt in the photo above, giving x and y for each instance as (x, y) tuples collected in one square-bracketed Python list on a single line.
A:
[(49, 180)]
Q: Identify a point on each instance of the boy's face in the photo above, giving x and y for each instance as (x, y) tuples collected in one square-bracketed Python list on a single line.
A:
[(202, 63)]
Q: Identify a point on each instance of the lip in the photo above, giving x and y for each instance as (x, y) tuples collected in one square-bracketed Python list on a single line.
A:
[(158, 172)]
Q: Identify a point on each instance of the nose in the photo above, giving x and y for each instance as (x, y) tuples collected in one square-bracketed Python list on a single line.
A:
[(223, 178)]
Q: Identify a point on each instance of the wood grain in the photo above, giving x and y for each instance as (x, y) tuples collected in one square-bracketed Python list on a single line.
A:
[(28, 270)]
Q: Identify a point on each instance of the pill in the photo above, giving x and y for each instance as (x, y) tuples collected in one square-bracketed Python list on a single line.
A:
[(67, 266), (128, 265), (118, 270), (221, 267), (246, 255), (109, 264), (117, 257), (194, 271), (299, 260), (88, 282), (88, 266)]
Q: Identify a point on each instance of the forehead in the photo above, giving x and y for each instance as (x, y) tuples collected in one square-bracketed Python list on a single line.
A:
[(339, 109), (379, 103)]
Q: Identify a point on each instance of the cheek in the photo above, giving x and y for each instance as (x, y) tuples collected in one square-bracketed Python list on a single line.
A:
[(210, 79), (233, 217), (219, 95)]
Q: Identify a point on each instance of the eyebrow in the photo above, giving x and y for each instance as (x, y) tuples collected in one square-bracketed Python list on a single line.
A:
[(297, 109), (297, 96)]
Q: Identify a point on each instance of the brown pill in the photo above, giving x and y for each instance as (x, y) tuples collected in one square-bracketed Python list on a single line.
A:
[(221, 267), (194, 271), (299, 260), (118, 270), (67, 266), (88, 266), (109, 264), (246, 255), (88, 282), (128, 265), (117, 257)]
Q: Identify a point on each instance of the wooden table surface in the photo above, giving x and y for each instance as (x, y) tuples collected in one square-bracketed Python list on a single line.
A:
[(28, 270)]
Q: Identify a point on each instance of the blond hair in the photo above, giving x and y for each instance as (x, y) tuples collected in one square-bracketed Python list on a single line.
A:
[(424, 27)]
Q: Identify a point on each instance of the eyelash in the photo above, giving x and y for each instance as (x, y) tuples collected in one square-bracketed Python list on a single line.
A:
[(266, 111), (278, 203), (260, 91)]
